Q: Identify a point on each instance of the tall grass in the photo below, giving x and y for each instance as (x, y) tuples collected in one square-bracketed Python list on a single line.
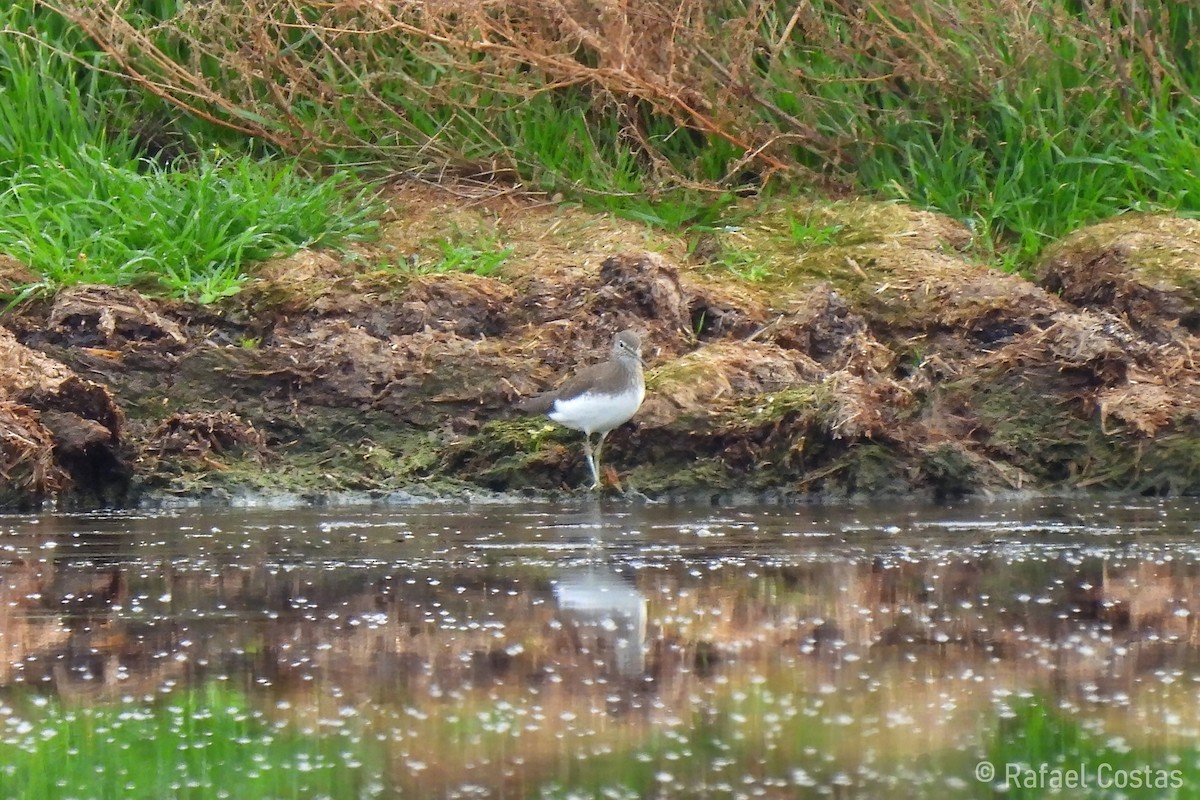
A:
[(1025, 118), (80, 201), (193, 233), (1047, 123)]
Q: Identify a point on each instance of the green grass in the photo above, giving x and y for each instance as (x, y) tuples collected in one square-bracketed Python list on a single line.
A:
[(473, 252), (744, 264), (1025, 129), (807, 232), (1038, 173), (201, 744), (192, 233), (1025, 141), (555, 140), (479, 257), (671, 210), (79, 202)]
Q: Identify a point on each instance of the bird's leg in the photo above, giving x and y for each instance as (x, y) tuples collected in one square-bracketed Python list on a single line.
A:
[(596, 456), (591, 459), (610, 473)]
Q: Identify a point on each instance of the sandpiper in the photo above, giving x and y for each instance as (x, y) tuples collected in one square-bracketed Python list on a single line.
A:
[(598, 398)]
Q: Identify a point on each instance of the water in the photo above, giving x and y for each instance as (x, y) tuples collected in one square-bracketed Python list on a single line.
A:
[(980, 650)]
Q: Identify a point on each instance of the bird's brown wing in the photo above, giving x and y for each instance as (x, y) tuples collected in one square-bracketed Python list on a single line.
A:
[(573, 386)]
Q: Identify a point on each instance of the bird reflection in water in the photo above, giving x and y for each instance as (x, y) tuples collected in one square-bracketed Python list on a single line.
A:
[(607, 615)]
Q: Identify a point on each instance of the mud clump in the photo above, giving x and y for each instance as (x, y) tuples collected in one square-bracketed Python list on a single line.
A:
[(28, 466), (822, 325), (198, 442), (306, 290), (107, 316), (199, 434), (703, 381), (61, 433), (649, 286), (1144, 268), (470, 306)]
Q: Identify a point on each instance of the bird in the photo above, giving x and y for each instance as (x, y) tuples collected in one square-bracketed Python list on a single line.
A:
[(598, 398)]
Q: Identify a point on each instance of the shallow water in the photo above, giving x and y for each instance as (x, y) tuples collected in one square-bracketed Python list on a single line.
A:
[(603, 651)]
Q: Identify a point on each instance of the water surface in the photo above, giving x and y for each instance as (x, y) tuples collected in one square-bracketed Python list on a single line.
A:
[(602, 651)]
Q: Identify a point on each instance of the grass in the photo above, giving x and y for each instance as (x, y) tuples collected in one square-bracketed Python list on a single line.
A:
[(191, 234), (1024, 126), (479, 257), (1021, 189), (475, 252), (80, 203), (673, 210), (1025, 130), (743, 264), (806, 232), (1042, 126)]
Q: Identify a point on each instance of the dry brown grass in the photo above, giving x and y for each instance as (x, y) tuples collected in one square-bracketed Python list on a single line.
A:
[(308, 76)]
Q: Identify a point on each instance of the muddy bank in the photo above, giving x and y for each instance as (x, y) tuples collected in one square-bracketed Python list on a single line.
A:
[(828, 350)]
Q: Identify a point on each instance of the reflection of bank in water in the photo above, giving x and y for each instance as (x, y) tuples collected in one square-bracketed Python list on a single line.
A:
[(606, 616)]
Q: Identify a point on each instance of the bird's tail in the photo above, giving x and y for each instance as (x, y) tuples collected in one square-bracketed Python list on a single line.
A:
[(538, 404)]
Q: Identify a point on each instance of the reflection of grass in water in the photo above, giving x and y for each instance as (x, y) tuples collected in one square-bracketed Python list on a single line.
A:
[(759, 741), (1036, 734), (745, 736), (203, 743), (753, 738)]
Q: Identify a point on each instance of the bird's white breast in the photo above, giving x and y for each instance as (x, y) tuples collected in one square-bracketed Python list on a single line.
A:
[(591, 412)]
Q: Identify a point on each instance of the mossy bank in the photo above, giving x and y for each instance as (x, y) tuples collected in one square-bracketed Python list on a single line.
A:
[(817, 350)]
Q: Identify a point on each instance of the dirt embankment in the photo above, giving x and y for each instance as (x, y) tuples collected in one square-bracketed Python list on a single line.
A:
[(824, 350)]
